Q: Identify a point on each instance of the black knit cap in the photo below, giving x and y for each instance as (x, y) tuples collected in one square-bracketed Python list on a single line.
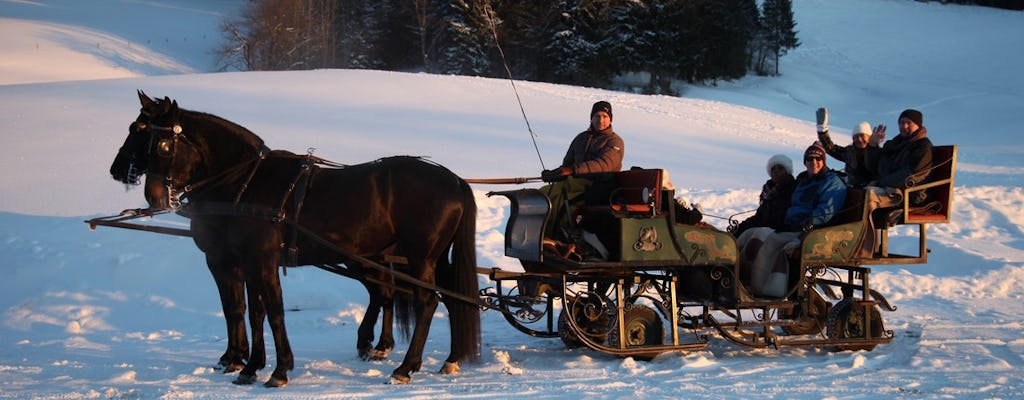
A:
[(912, 115), (601, 106)]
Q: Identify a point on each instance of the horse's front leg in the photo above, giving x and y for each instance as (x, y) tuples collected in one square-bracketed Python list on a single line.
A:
[(387, 336), (257, 314), (231, 286), (379, 300), (274, 303), (366, 331)]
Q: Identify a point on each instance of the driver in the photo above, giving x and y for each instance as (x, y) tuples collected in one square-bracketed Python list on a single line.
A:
[(596, 150)]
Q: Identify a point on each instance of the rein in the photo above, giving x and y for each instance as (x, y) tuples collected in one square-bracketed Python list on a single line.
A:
[(246, 210), (175, 196)]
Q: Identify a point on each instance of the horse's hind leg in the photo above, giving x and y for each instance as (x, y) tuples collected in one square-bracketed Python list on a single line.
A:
[(230, 285), (425, 303)]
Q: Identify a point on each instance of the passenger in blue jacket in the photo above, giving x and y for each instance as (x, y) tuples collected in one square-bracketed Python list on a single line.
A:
[(763, 258), (819, 193)]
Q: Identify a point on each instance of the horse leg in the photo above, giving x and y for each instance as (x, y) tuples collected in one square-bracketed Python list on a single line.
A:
[(425, 303), (231, 287), (451, 364), (387, 337), (365, 332), (257, 313), (378, 301), (274, 302)]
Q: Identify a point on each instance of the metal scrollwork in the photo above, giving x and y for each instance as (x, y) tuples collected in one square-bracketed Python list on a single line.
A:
[(722, 275), (647, 240)]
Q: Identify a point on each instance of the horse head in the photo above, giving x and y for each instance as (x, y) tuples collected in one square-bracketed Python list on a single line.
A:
[(180, 150), (132, 158), (155, 138)]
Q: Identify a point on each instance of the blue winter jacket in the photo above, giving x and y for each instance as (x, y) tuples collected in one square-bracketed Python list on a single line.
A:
[(815, 200)]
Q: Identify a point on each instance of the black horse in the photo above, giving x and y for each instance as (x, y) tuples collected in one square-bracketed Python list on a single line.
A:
[(131, 164), (253, 209)]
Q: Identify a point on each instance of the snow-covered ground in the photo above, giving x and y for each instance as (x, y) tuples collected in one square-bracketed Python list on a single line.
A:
[(123, 314)]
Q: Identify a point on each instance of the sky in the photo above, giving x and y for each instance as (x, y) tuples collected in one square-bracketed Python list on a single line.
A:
[(132, 315)]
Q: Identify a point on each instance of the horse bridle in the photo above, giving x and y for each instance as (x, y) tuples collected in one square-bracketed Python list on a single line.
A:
[(164, 147), (168, 138)]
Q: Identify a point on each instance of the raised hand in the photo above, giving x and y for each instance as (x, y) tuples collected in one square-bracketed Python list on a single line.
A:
[(822, 117), (878, 136)]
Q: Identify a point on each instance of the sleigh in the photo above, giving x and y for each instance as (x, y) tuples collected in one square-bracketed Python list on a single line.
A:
[(665, 285)]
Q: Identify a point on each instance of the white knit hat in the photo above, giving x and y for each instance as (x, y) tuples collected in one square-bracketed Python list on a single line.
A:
[(864, 128), (780, 159)]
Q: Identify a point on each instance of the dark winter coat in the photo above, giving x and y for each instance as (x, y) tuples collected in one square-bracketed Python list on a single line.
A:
[(593, 152), (775, 200), (857, 172), (815, 200), (902, 162)]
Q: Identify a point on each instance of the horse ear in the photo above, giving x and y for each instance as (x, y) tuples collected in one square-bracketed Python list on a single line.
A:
[(174, 110), (145, 100)]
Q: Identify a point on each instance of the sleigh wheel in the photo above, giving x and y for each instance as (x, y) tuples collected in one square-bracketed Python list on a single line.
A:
[(643, 327), (811, 322), (589, 314), (847, 321)]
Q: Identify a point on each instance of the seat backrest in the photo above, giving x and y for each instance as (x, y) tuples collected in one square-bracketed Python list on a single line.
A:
[(939, 187), (853, 207), (637, 191)]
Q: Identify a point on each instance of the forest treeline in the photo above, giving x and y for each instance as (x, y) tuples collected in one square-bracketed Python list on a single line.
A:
[(578, 42)]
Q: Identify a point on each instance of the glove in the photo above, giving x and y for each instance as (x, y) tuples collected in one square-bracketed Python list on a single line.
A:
[(807, 225), (555, 175), (822, 116), (550, 176), (878, 136)]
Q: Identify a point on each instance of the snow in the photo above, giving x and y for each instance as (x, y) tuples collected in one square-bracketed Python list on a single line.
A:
[(124, 314)]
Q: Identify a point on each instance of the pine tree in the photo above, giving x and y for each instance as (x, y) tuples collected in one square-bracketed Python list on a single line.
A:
[(725, 49), (466, 37), (563, 50), (779, 28)]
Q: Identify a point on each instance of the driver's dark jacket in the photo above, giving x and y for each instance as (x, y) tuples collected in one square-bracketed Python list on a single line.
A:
[(593, 152)]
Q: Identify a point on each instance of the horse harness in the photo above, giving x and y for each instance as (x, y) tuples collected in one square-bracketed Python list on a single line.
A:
[(293, 199)]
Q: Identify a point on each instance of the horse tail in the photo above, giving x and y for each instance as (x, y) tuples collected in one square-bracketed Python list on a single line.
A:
[(466, 316)]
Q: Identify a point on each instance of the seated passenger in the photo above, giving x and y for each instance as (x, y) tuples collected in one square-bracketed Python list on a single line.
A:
[(763, 258), (775, 196), (902, 162), (857, 172)]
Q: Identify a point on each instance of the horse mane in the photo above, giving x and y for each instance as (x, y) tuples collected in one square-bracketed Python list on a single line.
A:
[(235, 130)]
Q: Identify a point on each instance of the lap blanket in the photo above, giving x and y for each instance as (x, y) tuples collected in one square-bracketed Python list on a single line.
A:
[(764, 266)]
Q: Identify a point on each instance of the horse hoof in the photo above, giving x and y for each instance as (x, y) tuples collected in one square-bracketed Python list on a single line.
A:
[(399, 379), (450, 368), (229, 366), (245, 379), (377, 355), (276, 382), (232, 367), (374, 355)]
